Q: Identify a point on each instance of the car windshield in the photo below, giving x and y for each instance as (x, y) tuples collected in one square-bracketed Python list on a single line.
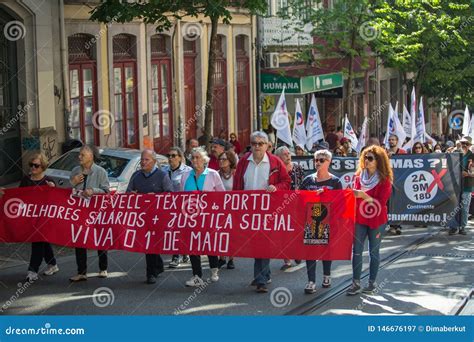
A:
[(113, 165)]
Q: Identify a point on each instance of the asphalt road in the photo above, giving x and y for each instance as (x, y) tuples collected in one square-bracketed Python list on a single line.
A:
[(424, 272)]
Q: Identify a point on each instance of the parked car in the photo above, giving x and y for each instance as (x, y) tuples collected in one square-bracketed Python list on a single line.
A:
[(120, 164)]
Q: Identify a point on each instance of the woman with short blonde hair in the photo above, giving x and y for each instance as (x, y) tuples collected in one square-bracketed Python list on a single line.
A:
[(38, 163)]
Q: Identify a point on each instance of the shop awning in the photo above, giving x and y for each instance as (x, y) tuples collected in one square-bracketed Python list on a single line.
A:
[(273, 84)]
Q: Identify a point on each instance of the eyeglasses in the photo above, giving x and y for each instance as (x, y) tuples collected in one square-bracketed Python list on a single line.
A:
[(320, 160), (223, 159), (259, 144), (36, 166), (172, 155), (369, 158)]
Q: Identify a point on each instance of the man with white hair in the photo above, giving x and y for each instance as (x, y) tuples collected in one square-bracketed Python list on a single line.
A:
[(260, 170), (150, 179)]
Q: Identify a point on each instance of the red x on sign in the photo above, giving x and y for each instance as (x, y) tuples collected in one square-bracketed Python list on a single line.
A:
[(437, 180)]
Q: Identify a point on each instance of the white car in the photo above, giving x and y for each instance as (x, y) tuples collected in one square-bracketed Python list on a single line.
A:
[(120, 164)]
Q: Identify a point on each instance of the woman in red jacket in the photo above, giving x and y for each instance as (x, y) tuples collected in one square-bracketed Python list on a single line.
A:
[(372, 188)]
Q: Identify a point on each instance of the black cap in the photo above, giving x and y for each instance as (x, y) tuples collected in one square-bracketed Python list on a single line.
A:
[(218, 141)]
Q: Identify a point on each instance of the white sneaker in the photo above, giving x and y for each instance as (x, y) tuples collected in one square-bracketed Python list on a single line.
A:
[(310, 288), (103, 274), (50, 270), (214, 274), (31, 276), (195, 281)]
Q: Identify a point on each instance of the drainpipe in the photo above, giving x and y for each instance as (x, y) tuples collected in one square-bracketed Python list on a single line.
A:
[(65, 71), (258, 71)]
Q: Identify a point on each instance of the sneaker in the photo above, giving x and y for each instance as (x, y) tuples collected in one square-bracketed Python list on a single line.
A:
[(50, 270), (370, 288), (326, 282), (195, 281), (221, 263), (462, 231), (392, 231), (185, 259), (453, 231), (77, 278), (310, 288), (214, 274), (298, 262), (354, 289), (262, 289), (151, 280), (31, 276), (103, 274), (230, 264), (285, 267), (398, 231), (174, 262)]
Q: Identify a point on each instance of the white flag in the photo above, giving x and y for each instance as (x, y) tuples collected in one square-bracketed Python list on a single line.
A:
[(466, 124), (299, 133), (428, 138), (471, 127), (280, 120), (364, 134), (398, 128), (420, 124), (349, 133), (413, 120), (314, 129), (390, 124), (395, 127), (406, 122)]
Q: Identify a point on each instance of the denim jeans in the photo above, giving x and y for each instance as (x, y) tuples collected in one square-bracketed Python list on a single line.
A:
[(466, 203), (261, 271), (311, 269), (375, 237)]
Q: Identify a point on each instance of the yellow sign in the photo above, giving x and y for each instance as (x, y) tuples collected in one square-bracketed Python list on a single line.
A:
[(268, 104)]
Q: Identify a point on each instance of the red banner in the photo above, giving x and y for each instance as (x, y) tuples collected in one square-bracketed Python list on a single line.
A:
[(258, 224)]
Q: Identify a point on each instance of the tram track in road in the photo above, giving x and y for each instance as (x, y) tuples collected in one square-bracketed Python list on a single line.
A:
[(340, 290)]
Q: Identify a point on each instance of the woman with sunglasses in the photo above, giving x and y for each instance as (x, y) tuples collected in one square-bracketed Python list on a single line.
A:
[(202, 178), (175, 169), (227, 166), (372, 189), (418, 148), (319, 181), (39, 250)]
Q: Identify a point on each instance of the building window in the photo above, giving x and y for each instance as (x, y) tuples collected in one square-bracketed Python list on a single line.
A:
[(83, 88), (162, 114), (125, 91)]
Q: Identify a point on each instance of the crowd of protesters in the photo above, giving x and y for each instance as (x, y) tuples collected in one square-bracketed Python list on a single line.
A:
[(227, 166)]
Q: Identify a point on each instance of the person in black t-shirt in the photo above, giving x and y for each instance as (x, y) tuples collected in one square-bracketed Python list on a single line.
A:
[(39, 250), (319, 181)]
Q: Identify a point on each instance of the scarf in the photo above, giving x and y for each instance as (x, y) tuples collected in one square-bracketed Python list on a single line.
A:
[(368, 182)]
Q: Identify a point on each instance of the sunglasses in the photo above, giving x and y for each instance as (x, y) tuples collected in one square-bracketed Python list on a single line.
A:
[(320, 160), (259, 144), (36, 166), (171, 156), (369, 158)]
